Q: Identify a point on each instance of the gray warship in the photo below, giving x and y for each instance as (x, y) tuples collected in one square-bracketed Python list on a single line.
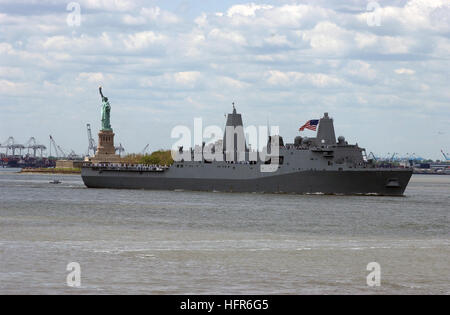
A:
[(319, 165)]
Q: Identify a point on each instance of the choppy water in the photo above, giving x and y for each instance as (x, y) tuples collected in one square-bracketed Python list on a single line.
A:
[(132, 241)]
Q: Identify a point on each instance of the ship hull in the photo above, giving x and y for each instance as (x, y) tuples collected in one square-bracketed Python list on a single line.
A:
[(366, 182)]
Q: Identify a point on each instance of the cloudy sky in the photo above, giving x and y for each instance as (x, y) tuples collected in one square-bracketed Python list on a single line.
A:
[(381, 69)]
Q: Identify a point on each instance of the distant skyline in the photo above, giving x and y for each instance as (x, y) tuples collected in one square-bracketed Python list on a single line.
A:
[(382, 74)]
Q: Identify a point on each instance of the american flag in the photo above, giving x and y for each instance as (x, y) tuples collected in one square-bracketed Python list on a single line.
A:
[(310, 124)]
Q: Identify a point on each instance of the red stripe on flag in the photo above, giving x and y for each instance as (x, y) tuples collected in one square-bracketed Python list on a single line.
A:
[(308, 126)]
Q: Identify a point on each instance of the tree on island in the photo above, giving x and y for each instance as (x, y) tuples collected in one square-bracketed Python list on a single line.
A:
[(160, 157)]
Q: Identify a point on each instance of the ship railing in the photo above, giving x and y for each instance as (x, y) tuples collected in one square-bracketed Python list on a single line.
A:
[(127, 167)]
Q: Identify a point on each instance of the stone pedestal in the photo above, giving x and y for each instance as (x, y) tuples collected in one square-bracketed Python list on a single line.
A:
[(106, 152), (106, 142)]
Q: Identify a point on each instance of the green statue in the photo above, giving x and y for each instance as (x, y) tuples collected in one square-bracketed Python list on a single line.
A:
[(106, 112)]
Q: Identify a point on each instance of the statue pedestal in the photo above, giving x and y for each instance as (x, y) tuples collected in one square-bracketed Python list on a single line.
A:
[(106, 152)]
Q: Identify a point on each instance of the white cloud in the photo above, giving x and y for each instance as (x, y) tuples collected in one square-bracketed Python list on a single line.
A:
[(360, 70), (134, 20), (224, 35), (83, 43), (293, 15), (187, 78), (231, 83), (366, 40), (151, 15), (6, 48), (156, 14), (108, 5), (405, 71), (93, 77), (396, 45), (277, 40), (246, 9), (184, 79), (415, 15), (202, 20), (291, 78), (328, 38), (142, 40), (11, 72), (11, 88)]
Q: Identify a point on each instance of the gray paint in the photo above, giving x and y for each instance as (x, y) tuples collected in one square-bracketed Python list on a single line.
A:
[(315, 165)]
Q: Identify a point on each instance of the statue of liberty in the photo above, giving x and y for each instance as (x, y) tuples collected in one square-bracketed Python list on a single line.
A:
[(106, 112)]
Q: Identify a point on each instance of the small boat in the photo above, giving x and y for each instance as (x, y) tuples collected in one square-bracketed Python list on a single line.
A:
[(55, 181)]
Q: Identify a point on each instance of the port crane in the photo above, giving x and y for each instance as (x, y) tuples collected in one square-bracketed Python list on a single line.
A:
[(392, 158), (92, 146), (371, 154), (145, 149), (59, 152), (120, 149), (10, 144), (33, 145), (445, 155), (414, 157), (73, 156)]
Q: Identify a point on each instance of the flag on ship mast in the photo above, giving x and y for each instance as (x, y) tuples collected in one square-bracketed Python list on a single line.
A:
[(310, 124)]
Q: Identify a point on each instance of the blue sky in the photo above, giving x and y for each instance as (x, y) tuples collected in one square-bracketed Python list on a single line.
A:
[(162, 63)]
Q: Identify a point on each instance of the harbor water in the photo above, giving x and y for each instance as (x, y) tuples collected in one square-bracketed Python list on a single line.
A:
[(175, 242)]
